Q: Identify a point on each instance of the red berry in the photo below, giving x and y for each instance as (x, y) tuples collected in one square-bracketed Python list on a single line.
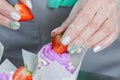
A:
[(24, 11), (22, 74), (57, 46)]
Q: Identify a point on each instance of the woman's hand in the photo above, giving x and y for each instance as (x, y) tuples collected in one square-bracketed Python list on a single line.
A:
[(9, 16), (93, 26)]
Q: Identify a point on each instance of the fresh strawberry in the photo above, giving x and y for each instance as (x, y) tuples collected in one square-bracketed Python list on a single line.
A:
[(57, 46), (24, 11), (22, 74)]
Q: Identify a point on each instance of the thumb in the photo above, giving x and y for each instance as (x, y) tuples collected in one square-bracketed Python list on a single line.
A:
[(27, 3)]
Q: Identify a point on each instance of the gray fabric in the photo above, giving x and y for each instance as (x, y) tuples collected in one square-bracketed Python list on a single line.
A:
[(34, 34), (106, 62)]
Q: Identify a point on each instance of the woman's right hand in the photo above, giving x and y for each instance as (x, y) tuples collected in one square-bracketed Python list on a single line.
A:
[(95, 25), (9, 17)]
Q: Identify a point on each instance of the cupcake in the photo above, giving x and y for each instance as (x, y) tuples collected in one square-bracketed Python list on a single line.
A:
[(56, 51)]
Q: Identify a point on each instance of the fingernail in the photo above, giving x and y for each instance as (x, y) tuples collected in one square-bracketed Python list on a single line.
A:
[(97, 49), (53, 32), (66, 40), (80, 49), (29, 3), (15, 25), (15, 16), (72, 49)]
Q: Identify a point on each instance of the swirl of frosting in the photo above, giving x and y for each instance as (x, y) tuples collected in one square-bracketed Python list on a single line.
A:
[(47, 54), (5, 76)]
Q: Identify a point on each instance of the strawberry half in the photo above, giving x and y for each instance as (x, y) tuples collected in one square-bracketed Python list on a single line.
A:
[(24, 11), (57, 46), (22, 74)]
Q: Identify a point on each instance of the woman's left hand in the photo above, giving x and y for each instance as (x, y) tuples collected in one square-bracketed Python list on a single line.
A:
[(96, 26)]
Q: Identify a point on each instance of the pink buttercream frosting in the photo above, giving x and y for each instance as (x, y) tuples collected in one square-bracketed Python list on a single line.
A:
[(48, 55)]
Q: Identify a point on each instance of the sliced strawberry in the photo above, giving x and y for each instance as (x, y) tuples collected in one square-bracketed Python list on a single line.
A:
[(22, 74), (24, 11), (57, 46)]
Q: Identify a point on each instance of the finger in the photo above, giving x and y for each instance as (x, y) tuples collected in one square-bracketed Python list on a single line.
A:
[(9, 23), (96, 23), (7, 10), (103, 32), (58, 30), (84, 17), (78, 6), (78, 44), (27, 2), (106, 42), (110, 39), (75, 46)]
